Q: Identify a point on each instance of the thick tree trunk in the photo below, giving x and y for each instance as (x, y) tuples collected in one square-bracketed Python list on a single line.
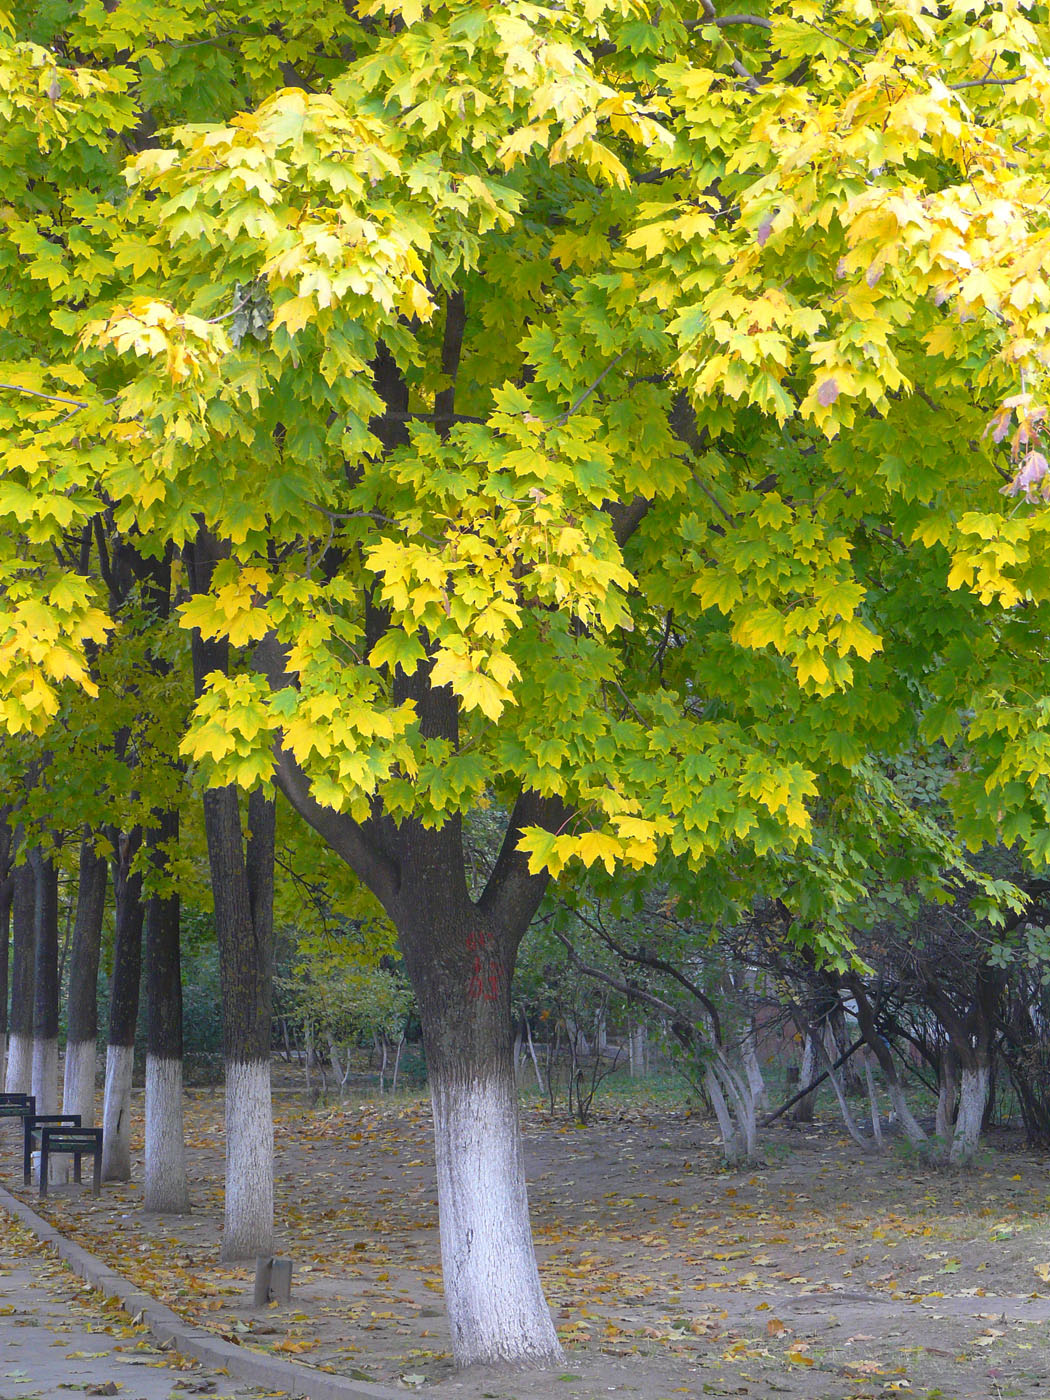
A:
[(78, 1089), (496, 1308), (973, 1096), (460, 955), (123, 1011), (19, 1077), (242, 885), (45, 980), (166, 1186)]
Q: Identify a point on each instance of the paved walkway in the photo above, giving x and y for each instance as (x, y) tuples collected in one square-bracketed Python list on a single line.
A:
[(58, 1340)]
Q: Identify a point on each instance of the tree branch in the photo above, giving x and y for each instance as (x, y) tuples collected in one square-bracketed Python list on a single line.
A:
[(512, 895), (344, 835), (451, 351)]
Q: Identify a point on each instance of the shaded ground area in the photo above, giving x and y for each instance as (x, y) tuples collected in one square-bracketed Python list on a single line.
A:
[(824, 1274), (58, 1337)]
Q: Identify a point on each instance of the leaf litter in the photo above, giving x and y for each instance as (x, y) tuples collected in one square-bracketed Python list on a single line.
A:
[(823, 1274)]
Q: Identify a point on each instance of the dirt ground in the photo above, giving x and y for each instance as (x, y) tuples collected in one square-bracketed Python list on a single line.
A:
[(825, 1273)]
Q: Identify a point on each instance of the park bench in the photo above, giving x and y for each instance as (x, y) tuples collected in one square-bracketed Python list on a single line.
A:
[(32, 1127), (17, 1105), (75, 1142)]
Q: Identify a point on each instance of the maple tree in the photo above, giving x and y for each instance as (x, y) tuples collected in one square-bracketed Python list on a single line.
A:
[(586, 407)]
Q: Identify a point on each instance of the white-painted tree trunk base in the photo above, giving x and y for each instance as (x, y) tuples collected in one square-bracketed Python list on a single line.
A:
[(911, 1129), (45, 1075), (19, 1077), (496, 1308), (752, 1068), (166, 1188), (59, 1170), (248, 1226), (116, 1113), (78, 1081), (973, 1098)]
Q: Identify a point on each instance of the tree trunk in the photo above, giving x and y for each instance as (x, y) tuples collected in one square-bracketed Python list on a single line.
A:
[(45, 981), (804, 1109), (78, 1088), (166, 1187), (242, 885), (947, 1092), (873, 1100), (460, 955), (7, 887), (123, 1010), (639, 1050), (749, 1047), (973, 1096), (882, 1051), (496, 1308), (19, 1078), (242, 888)]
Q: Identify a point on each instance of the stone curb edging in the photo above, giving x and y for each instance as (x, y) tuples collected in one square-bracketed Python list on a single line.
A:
[(168, 1328)]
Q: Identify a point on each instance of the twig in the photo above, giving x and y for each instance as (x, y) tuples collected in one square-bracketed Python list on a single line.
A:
[(37, 394), (985, 82), (582, 399)]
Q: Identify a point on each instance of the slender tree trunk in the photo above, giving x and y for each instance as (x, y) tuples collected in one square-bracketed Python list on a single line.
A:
[(827, 1049), (803, 1110), (7, 886), (496, 1307), (882, 1051), (749, 1047), (78, 1089), (166, 1187), (242, 888), (19, 1078), (873, 1100), (397, 1066), (45, 996), (242, 885), (123, 1010), (947, 1092)]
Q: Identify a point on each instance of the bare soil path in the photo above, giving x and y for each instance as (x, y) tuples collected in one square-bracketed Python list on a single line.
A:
[(823, 1275)]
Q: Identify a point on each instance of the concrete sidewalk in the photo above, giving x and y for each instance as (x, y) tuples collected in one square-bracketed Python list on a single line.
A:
[(34, 1366)]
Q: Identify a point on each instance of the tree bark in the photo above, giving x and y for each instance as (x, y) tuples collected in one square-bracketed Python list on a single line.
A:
[(123, 1010), (45, 983), (460, 954), (803, 1112), (167, 1190), (882, 1051), (19, 1077), (7, 886), (947, 1092), (460, 967), (242, 886), (78, 1089), (973, 1095)]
